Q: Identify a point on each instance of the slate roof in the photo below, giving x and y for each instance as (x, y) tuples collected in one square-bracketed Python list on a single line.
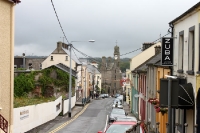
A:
[(151, 61), (158, 63), (32, 57), (93, 69), (64, 68)]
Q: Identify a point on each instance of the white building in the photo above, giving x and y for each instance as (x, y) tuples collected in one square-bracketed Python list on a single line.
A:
[(62, 55), (186, 29)]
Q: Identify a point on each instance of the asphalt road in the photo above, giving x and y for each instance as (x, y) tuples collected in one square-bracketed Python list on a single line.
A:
[(92, 120)]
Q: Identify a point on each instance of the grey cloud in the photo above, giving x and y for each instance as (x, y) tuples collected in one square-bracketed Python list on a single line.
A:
[(129, 22)]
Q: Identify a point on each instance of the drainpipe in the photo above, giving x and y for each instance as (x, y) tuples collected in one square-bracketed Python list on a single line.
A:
[(171, 69)]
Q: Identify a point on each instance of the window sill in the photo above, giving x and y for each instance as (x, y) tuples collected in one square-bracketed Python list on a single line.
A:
[(190, 72), (180, 71), (198, 72)]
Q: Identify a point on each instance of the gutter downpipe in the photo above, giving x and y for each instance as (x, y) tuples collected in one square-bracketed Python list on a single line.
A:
[(137, 110), (173, 113)]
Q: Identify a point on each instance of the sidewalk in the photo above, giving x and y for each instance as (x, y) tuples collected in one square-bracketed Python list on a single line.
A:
[(128, 110), (58, 121)]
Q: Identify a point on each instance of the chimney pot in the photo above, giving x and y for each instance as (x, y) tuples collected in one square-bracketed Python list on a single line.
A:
[(157, 49)]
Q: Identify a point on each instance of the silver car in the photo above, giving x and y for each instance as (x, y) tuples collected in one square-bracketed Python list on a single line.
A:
[(117, 104)]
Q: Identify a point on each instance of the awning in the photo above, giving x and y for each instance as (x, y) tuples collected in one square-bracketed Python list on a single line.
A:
[(182, 95), (186, 96)]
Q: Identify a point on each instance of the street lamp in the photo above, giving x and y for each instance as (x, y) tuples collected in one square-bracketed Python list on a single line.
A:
[(70, 75)]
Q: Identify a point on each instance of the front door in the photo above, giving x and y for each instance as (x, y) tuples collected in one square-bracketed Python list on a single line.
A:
[(198, 111)]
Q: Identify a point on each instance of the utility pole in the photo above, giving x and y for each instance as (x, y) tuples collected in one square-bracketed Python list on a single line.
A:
[(169, 106), (70, 80)]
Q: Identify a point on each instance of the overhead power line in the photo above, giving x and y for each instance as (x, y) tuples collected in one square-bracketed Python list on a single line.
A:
[(141, 48), (59, 21), (90, 58), (75, 54)]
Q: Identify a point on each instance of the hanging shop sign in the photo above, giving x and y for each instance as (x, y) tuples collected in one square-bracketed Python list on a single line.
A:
[(167, 51)]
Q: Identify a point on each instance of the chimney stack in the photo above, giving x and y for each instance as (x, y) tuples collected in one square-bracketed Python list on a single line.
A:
[(157, 49), (59, 46), (23, 60), (146, 45)]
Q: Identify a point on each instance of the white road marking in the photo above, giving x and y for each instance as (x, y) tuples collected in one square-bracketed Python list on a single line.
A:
[(106, 123)]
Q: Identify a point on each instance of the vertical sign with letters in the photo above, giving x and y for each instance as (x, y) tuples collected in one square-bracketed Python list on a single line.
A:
[(167, 51)]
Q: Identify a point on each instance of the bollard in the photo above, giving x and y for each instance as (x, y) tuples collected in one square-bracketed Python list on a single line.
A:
[(157, 127), (167, 125), (176, 127), (148, 124), (185, 125), (195, 128), (138, 127)]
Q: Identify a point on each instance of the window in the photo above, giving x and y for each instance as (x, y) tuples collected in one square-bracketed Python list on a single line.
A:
[(40, 66), (191, 51), (51, 57), (198, 72), (66, 58), (181, 52)]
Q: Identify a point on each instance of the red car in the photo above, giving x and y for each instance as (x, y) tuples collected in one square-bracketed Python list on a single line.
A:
[(120, 127)]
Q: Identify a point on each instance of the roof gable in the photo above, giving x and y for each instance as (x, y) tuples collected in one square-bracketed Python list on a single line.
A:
[(153, 60)]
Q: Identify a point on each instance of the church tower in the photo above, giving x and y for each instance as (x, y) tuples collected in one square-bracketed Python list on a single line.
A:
[(111, 74), (116, 72)]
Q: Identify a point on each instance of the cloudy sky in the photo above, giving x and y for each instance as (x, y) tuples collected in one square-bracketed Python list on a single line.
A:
[(129, 22)]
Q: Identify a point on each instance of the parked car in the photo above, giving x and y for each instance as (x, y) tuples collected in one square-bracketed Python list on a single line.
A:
[(116, 113), (106, 95), (121, 127), (117, 104), (127, 118), (102, 96), (116, 95)]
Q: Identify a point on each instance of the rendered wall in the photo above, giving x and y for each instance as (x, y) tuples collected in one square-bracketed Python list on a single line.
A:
[(29, 117), (58, 58), (66, 104), (163, 119), (7, 61)]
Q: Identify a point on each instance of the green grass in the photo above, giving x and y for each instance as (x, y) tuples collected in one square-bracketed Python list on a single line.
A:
[(25, 101)]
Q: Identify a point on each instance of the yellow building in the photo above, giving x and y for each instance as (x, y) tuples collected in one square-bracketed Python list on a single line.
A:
[(163, 119), (7, 62)]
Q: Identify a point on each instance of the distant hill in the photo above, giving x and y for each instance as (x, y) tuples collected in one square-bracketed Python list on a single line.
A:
[(124, 62)]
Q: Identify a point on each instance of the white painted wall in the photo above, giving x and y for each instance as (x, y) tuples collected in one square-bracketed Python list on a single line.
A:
[(58, 58), (185, 25), (66, 104), (143, 56), (35, 115)]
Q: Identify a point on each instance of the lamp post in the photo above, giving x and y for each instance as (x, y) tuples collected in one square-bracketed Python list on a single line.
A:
[(70, 74), (85, 80)]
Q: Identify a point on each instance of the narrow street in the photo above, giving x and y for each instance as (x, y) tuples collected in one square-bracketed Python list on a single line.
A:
[(92, 120)]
